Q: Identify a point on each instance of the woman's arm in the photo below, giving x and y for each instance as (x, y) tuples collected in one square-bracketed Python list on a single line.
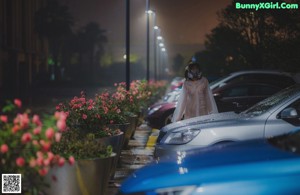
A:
[(181, 104)]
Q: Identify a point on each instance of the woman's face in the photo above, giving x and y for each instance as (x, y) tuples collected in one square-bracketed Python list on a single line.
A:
[(195, 73)]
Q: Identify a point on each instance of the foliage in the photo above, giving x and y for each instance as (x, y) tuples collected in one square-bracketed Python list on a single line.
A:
[(81, 147), (178, 64), (249, 39), (91, 115), (26, 145), (54, 22), (139, 96)]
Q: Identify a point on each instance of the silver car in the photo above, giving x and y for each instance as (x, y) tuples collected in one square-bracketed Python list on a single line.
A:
[(273, 116)]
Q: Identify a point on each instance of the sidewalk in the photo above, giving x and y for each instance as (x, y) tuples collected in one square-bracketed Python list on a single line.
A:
[(139, 154)]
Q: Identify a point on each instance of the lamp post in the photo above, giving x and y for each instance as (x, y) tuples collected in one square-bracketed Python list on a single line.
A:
[(127, 45), (156, 28), (148, 40)]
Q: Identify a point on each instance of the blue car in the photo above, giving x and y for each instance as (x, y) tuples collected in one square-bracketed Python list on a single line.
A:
[(270, 166)]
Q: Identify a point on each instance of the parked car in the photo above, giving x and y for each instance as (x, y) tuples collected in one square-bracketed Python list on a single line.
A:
[(235, 96), (160, 114), (258, 75), (176, 83), (269, 166), (240, 95), (273, 116)]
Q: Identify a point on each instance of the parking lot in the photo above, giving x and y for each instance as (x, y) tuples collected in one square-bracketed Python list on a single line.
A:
[(138, 153)]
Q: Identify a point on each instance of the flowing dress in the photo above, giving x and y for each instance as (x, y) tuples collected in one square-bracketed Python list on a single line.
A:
[(195, 99)]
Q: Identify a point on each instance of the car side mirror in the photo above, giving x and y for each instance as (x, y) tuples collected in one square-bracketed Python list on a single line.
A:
[(217, 95), (289, 113), (222, 84)]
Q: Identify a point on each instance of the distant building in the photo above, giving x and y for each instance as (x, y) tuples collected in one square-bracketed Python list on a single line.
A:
[(23, 54)]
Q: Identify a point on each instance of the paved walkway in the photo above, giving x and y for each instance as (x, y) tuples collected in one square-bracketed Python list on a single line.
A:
[(138, 154)]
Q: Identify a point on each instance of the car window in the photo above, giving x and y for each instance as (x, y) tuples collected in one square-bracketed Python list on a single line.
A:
[(264, 90), (238, 91), (281, 80), (272, 101)]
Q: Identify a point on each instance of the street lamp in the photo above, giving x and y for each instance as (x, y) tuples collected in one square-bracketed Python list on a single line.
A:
[(127, 44), (148, 11), (155, 56)]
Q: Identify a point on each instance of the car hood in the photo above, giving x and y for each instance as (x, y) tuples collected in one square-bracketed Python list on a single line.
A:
[(224, 162), (212, 118)]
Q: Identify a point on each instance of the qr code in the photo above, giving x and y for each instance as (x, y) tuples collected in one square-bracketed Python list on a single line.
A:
[(11, 183)]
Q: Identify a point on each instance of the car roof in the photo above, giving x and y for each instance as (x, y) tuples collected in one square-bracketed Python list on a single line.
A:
[(253, 82), (260, 72)]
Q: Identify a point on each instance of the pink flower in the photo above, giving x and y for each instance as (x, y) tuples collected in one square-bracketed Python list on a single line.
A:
[(39, 154), (18, 103), (45, 145), (26, 137), (36, 120), (37, 130), (20, 162), (3, 118), (50, 156), (71, 160), (49, 133), (111, 121), (61, 161), (47, 162), (84, 116), (22, 120), (32, 162), (39, 161), (115, 84), (90, 107), (43, 171), (15, 129), (4, 148), (60, 115), (61, 124), (118, 111), (57, 137), (35, 142)]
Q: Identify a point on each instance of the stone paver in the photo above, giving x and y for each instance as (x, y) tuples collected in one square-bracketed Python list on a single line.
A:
[(138, 154)]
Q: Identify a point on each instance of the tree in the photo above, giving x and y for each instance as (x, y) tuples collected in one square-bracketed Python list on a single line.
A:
[(249, 39), (54, 22), (91, 41), (178, 64)]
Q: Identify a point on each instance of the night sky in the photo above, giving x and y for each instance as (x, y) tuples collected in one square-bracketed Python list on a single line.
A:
[(183, 23)]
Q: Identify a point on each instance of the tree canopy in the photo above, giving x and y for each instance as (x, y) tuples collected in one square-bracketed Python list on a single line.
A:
[(249, 39)]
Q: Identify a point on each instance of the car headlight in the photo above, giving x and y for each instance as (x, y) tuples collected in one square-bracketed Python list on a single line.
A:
[(181, 136), (156, 108)]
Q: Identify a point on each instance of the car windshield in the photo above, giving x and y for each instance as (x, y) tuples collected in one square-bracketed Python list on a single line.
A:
[(266, 104), (287, 142)]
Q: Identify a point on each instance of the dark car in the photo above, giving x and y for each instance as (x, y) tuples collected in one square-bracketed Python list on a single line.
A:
[(160, 114), (238, 96), (234, 96)]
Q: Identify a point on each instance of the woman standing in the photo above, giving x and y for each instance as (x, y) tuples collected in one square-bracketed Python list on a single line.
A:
[(196, 98)]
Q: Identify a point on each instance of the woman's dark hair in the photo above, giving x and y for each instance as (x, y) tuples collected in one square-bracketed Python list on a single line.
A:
[(194, 65)]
